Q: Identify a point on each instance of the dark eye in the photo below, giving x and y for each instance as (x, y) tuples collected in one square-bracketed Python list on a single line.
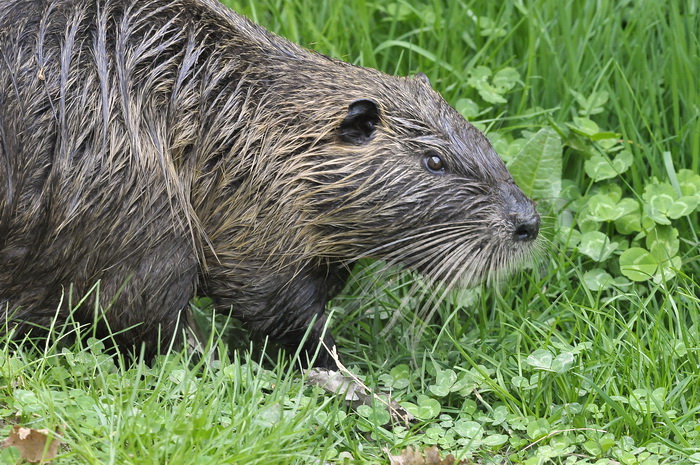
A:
[(434, 163)]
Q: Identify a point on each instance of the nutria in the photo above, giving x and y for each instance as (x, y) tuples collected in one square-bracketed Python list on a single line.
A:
[(166, 148)]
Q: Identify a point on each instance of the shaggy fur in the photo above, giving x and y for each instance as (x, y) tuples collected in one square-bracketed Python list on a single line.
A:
[(166, 148)]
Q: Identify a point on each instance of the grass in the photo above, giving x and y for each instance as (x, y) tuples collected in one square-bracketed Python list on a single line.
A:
[(541, 369)]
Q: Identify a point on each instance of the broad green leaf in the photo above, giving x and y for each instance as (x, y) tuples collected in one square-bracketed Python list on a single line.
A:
[(629, 224), (435, 433), (563, 362), (601, 208), (599, 168), (612, 190), (683, 206), (499, 414), (667, 269), (24, 397), (489, 28), (438, 390), (649, 402), (570, 190), (520, 382), (689, 182), (505, 79), (623, 161), (499, 142), (584, 126), (469, 429), (570, 237), (592, 105), (400, 376), (479, 75), (541, 359), (491, 94), (376, 415), (626, 207), (428, 17), (538, 428), (479, 80), (581, 100), (597, 245), (597, 279), (445, 380), (397, 11), (655, 215), (660, 196), (664, 199), (467, 107), (586, 222), (537, 167), (663, 242), (428, 408), (638, 264), (598, 98), (495, 440), (270, 416)]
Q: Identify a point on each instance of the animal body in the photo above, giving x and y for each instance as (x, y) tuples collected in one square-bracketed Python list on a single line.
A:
[(170, 148)]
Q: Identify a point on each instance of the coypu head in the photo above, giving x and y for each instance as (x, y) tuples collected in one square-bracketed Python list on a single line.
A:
[(399, 175)]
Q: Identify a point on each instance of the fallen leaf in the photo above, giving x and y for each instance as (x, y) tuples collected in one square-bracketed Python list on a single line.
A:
[(356, 393), (32, 443), (430, 456)]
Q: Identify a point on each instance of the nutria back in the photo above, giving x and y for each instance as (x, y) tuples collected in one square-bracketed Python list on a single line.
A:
[(159, 149)]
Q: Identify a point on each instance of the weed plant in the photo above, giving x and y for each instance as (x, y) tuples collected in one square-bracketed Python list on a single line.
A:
[(590, 356)]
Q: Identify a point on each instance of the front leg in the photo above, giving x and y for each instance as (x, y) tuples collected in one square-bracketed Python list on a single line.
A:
[(283, 306)]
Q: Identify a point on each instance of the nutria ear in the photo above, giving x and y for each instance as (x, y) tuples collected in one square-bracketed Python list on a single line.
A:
[(423, 77), (359, 124)]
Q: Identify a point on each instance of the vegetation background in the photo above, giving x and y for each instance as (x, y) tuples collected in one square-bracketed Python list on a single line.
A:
[(591, 356)]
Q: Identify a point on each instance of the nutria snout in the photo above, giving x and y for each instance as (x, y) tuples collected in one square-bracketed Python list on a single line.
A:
[(521, 212)]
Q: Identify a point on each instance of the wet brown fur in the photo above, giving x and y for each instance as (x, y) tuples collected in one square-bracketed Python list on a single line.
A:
[(167, 148)]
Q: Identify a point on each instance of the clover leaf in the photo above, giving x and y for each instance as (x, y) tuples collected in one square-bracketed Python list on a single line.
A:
[(597, 245), (664, 201), (593, 104), (597, 279), (638, 264), (689, 182), (599, 167)]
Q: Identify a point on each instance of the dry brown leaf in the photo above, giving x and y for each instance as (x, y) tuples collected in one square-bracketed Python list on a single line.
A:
[(356, 393), (32, 443), (430, 456)]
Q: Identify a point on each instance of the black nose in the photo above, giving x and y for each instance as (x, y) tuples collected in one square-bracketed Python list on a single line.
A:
[(520, 212), (526, 228)]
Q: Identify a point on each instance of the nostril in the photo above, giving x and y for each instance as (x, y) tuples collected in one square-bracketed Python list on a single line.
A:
[(527, 230)]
